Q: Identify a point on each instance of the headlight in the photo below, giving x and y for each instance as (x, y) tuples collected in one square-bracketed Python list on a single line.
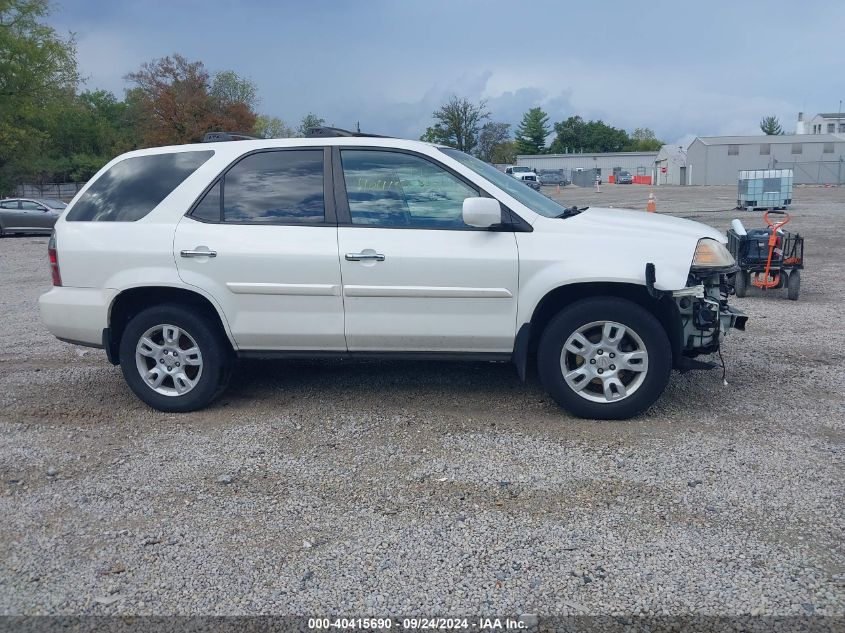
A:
[(711, 254)]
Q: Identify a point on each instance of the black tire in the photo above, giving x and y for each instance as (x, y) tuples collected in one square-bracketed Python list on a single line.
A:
[(216, 355), (741, 282), (626, 313), (793, 285)]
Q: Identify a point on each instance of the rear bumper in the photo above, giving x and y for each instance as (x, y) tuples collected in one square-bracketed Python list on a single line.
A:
[(77, 315)]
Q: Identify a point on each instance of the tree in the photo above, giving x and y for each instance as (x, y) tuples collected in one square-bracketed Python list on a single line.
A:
[(272, 127), (770, 126), (575, 134), (309, 121), (504, 153), (491, 136), (532, 132), (228, 88), (643, 139), (457, 124), (37, 72), (175, 100)]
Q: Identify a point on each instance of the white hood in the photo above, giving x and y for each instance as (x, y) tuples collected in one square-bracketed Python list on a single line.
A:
[(614, 245), (632, 222)]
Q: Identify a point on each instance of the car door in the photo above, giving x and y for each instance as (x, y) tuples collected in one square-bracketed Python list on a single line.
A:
[(32, 215), (262, 241), (10, 214), (38, 216), (415, 277)]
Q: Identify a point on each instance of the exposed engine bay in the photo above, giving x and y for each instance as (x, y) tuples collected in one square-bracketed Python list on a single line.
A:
[(705, 314)]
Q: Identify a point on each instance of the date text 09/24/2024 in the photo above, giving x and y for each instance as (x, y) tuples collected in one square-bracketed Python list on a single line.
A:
[(422, 623)]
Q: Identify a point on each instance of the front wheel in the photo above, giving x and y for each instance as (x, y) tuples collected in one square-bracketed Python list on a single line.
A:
[(174, 359), (604, 358)]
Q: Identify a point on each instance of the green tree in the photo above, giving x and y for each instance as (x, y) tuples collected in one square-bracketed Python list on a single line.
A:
[(770, 126), (37, 71), (272, 127), (309, 121), (457, 124), (532, 132), (228, 87), (491, 136), (643, 139), (504, 153), (577, 135)]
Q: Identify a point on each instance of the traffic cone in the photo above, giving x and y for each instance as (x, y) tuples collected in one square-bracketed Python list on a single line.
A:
[(558, 187), (651, 205)]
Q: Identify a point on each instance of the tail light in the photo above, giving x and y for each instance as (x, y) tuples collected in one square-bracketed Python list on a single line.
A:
[(53, 254)]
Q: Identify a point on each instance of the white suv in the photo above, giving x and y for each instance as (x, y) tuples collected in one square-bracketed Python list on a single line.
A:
[(179, 260)]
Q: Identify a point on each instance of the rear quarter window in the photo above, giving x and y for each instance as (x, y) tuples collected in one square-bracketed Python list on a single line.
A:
[(133, 187)]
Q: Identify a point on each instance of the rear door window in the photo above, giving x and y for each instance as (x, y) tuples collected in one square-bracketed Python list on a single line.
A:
[(133, 187), (268, 187), (282, 187)]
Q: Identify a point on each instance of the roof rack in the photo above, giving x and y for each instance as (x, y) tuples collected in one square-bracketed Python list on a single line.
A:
[(328, 132), (214, 137)]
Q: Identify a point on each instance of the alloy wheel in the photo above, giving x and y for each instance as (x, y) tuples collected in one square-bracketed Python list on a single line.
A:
[(604, 361)]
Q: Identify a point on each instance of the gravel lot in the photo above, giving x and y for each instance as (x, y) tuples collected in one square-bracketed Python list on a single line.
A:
[(432, 488)]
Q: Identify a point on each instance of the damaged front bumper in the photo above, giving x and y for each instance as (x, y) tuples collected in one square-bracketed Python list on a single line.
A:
[(706, 317)]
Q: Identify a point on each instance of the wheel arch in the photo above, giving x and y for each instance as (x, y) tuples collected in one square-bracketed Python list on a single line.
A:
[(529, 333), (132, 300)]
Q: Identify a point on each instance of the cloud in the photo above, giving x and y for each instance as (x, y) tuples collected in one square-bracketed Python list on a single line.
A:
[(389, 65)]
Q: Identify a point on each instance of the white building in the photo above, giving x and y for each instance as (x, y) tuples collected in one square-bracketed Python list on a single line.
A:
[(671, 165), (814, 158), (823, 123)]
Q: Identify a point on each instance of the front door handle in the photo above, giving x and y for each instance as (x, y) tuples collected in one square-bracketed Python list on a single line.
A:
[(198, 253), (357, 257)]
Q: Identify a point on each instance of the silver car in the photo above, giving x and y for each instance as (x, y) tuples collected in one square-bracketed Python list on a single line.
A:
[(29, 215)]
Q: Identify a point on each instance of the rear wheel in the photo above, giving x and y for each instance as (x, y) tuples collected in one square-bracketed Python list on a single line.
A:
[(741, 282), (604, 358), (174, 359), (793, 285)]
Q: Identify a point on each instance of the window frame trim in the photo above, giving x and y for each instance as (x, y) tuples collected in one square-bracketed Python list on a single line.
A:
[(329, 210), (512, 222)]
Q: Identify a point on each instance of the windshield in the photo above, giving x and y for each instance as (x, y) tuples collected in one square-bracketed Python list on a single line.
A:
[(53, 203), (535, 201), (520, 169)]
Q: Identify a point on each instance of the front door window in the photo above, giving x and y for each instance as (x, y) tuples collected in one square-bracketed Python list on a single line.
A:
[(393, 189)]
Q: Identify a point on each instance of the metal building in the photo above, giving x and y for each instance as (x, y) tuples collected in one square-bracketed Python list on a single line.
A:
[(638, 163), (814, 158), (671, 165)]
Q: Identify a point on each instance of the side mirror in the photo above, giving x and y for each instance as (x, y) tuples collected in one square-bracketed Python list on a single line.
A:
[(482, 213)]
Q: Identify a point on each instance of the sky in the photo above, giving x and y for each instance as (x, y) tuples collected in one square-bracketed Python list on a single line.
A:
[(681, 68)]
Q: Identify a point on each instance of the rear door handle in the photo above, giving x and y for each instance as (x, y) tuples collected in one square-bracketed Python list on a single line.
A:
[(198, 253), (357, 257)]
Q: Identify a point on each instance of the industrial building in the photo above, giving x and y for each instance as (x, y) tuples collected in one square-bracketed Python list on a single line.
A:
[(638, 163), (671, 166), (814, 158)]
